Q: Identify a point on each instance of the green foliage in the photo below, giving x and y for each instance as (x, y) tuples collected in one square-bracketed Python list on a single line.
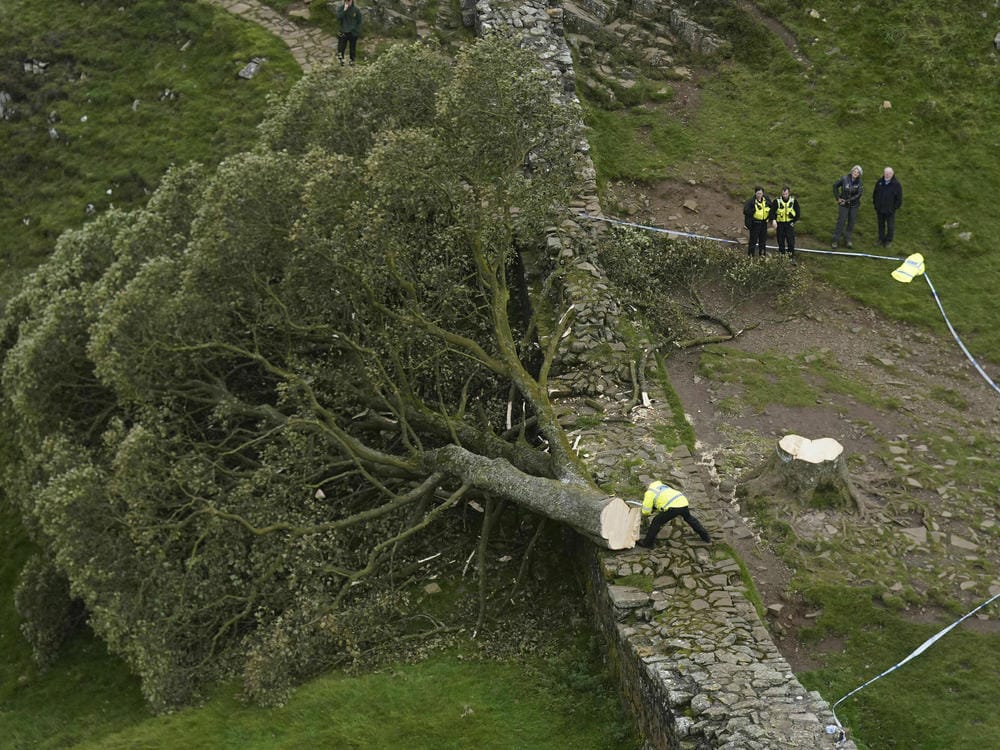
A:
[(50, 614), (223, 407), (666, 278)]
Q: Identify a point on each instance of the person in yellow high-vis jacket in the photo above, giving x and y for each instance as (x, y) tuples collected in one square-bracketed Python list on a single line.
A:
[(756, 216), (668, 502), (785, 212)]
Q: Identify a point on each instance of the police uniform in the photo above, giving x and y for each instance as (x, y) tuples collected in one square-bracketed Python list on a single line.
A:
[(668, 503), (786, 213)]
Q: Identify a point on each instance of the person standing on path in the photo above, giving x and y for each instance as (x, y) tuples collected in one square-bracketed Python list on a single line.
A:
[(887, 198), (349, 18), (668, 504), (847, 190), (785, 212), (756, 213)]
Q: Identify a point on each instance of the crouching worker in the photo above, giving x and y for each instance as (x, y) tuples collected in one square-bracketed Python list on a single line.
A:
[(668, 504)]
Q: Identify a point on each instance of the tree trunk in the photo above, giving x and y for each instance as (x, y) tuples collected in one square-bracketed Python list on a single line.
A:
[(799, 468), (608, 521)]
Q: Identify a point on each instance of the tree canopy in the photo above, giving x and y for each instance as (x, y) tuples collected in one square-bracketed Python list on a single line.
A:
[(234, 413)]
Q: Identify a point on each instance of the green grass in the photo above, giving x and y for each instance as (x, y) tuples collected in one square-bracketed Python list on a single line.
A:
[(944, 699), (437, 704), (635, 143), (769, 378), (89, 701), (112, 67), (780, 122), (679, 431)]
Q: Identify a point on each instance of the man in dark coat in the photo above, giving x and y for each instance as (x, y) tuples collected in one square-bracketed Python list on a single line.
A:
[(887, 198), (349, 18)]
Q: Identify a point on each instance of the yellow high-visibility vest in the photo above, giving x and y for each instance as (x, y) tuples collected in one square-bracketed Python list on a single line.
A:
[(761, 210), (660, 496), (912, 267), (785, 211)]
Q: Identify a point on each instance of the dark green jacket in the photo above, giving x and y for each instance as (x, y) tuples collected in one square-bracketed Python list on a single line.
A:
[(349, 19)]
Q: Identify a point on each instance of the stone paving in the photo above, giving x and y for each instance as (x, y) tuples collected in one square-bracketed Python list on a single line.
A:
[(699, 668), (311, 48)]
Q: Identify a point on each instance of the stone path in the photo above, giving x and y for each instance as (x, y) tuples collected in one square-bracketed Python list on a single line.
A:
[(311, 48), (700, 669)]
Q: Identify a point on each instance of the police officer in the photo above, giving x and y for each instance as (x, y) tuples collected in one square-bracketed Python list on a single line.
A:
[(756, 214), (785, 212), (668, 504)]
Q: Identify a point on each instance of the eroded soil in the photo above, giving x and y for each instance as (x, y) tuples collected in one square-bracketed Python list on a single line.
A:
[(920, 428)]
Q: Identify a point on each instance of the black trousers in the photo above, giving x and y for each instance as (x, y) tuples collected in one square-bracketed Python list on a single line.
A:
[(663, 518), (786, 237), (342, 41), (758, 238), (886, 228)]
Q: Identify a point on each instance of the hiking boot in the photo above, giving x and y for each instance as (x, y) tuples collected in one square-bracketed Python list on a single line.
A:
[(833, 245), (850, 245), (341, 59)]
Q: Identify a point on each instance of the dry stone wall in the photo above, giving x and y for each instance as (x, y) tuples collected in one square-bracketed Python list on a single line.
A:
[(696, 665)]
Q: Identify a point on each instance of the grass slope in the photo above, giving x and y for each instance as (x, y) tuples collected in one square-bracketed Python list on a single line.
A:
[(130, 88), (439, 704), (766, 118), (944, 699)]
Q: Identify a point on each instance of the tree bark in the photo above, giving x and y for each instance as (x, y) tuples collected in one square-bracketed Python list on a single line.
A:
[(606, 520), (799, 468)]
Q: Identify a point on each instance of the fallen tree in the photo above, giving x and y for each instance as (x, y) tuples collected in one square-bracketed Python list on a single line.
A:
[(236, 414)]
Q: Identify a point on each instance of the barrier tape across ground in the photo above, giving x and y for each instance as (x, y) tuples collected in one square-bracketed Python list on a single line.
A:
[(895, 259)]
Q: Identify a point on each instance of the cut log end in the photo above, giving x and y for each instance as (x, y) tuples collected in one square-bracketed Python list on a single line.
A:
[(811, 451), (620, 524), (801, 467)]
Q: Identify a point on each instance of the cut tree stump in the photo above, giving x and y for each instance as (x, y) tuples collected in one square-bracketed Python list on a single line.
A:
[(799, 468)]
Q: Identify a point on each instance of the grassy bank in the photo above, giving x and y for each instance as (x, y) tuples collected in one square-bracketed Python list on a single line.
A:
[(942, 700), (909, 84), (126, 89)]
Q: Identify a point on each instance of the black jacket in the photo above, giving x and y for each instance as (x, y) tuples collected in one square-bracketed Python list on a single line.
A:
[(848, 189), (748, 210), (887, 196)]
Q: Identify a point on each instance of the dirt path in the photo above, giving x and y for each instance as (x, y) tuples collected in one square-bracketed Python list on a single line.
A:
[(922, 429)]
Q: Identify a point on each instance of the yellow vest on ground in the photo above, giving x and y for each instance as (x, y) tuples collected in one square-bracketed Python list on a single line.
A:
[(911, 268), (660, 496)]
